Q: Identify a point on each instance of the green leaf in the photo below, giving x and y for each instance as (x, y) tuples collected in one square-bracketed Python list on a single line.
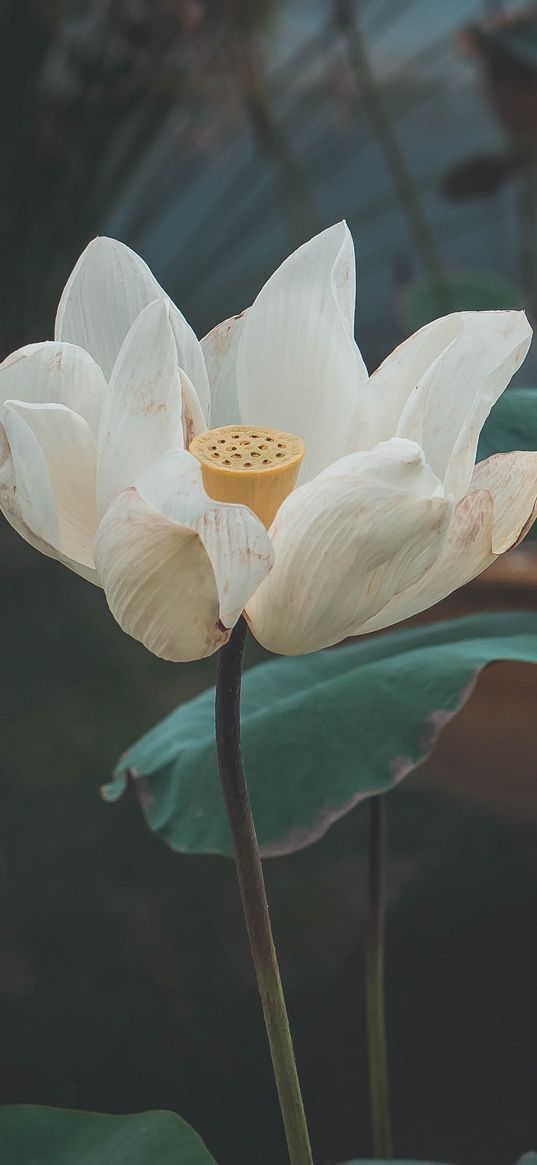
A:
[(512, 424), (320, 732), (30, 1135)]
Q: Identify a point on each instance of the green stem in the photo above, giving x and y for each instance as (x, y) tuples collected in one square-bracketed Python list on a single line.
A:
[(376, 1025), (253, 894)]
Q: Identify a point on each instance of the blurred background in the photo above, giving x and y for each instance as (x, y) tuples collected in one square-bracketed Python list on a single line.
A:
[(214, 136)]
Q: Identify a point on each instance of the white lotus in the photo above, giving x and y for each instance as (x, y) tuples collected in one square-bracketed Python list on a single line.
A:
[(390, 515)]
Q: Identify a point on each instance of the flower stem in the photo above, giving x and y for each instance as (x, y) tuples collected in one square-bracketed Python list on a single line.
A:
[(253, 894), (374, 986)]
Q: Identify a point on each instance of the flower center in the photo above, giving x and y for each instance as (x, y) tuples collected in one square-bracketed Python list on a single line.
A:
[(255, 466)]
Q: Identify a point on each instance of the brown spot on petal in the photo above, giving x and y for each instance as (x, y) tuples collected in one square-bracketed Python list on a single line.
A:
[(189, 431), (152, 409)]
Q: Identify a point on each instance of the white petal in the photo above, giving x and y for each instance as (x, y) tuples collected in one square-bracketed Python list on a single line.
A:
[(178, 567), (11, 509), (344, 544), (109, 286), (220, 349), (142, 413), (11, 497), (53, 454), (390, 386), (29, 480), (511, 478), (489, 520), (464, 554), (454, 396), (298, 367), (54, 373)]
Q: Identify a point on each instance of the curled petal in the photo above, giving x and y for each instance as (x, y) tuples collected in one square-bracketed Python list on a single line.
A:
[(108, 288), (142, 413), (344, 544), (511, 478), (10, 499), (454, 396), (178, 567), (492, 518), (55, 373), (11, 509), (298, 367), (53, 462)]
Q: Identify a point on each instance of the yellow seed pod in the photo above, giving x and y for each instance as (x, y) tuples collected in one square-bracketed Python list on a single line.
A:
[(249, 464)]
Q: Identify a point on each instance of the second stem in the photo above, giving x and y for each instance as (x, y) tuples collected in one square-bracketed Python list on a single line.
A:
[(374, 982)]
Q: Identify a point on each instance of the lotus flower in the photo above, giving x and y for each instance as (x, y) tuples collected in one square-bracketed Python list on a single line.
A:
[(389, 515)]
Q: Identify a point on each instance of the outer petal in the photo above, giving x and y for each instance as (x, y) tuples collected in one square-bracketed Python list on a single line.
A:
[(511, 478), (109, 286), (176, 566), (298, 367), (10, 499), (345, 543), (493, 517), (53, 462), (453, 398), (54, 373), (141, 418), (11, 509), (220, 349)]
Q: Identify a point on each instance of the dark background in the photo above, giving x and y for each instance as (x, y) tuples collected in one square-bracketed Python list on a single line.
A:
[(214, 137)]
